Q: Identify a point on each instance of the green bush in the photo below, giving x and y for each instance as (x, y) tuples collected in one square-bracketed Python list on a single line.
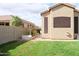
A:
[(34, 32)]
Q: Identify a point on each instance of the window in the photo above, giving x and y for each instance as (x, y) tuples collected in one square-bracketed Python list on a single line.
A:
[(4, 23), (62, 22), (1, 23), (45, 24), (7, 24), (75, 24)]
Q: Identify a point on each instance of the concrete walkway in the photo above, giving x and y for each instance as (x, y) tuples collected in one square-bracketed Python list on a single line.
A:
[(40, 39)]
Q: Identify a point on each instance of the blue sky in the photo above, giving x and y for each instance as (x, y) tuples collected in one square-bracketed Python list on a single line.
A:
[(26, 11)]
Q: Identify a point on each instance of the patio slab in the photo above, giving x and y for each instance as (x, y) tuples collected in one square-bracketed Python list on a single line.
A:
[(40, 39)]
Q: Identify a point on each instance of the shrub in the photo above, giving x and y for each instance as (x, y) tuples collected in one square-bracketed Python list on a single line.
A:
[(34, 32)]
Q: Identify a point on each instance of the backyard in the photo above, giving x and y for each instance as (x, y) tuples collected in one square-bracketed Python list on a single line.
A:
[(41, 48)]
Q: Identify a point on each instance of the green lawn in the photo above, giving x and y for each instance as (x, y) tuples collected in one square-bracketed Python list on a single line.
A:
[(41, 48)]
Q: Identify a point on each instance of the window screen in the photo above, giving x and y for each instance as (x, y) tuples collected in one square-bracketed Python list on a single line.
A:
[(45, 24), (75, 24), (61, 22)]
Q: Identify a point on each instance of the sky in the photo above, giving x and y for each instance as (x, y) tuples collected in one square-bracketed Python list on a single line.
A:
[(27, 11)]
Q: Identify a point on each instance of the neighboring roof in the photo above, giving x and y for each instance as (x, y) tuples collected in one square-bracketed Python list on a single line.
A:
[(76, 10), (27, 22), (5, 18), (65, 4), (37, 27)]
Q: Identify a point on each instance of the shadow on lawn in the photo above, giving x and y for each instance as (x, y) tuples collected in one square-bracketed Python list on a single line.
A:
[(4, 48)]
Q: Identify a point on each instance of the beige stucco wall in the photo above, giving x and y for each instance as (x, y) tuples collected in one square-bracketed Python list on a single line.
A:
[(59, 33), (47, 35)]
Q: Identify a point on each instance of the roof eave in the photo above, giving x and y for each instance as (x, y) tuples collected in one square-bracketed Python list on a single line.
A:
[(76, 10), (61, 4), (55, 7), (45, 12)]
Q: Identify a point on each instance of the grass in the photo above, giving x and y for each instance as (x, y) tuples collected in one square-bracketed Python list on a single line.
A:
[(41, 48)]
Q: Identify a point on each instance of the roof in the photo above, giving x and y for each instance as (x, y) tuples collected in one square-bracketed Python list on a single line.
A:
[(27, 22), (65, 4), (76, 10), (5, 18)]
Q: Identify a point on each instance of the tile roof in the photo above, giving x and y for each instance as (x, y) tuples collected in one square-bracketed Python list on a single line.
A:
[(5, 18), (65, 4)]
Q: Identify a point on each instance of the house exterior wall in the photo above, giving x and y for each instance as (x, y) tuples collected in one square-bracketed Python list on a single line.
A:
[(5, 19), (26, 25), (47, 35), (59, 33)]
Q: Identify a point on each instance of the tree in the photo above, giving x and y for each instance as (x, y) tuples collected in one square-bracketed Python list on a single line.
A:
[(16, 21)]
